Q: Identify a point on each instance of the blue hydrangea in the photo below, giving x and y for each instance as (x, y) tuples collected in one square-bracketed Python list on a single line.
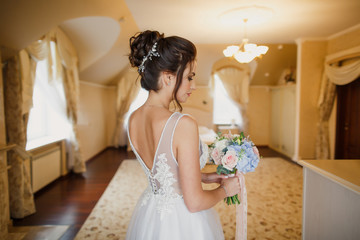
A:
[(248, 160)]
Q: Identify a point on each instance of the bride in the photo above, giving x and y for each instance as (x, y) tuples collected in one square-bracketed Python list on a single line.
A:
[(167, 145)]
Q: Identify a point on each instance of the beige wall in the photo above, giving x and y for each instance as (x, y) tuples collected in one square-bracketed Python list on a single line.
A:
[(200, 106), (96, 118), (201, 98), (312, 55), (344, 41), (259, 113)]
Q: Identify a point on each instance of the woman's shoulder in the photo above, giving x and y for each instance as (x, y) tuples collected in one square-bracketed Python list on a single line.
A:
[(187, 123)]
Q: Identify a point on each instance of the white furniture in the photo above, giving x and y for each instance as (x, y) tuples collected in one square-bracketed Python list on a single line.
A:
[(331, 199), (48, 163), (207, 135), (282, 136)]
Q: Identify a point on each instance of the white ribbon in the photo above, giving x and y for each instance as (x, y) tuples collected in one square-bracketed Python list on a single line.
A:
[(241, 212)]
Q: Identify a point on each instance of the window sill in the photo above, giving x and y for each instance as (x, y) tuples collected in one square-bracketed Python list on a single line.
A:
[(39, 142)]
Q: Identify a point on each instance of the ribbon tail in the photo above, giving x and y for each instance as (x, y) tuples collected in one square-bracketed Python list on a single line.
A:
[(241, 212)]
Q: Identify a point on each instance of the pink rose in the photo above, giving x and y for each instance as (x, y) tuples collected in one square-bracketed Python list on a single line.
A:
[(216, 156), (256, 151), (230, 160), (228, 136)]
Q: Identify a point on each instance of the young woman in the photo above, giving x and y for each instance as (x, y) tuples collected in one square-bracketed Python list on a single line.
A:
[(167, 145)]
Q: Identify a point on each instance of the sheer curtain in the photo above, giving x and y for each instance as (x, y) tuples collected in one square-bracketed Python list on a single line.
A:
[(60, 89), (66, 53), (333, 75), (225, 110), (127, 90), (236, 81), (48, 119)]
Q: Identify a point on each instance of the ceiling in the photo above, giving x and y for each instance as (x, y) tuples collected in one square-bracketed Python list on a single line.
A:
[(199, 20), (100, 30)]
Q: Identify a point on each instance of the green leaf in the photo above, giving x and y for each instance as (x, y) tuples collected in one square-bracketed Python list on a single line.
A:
[(221, 170), (242, 135), (237, 199)]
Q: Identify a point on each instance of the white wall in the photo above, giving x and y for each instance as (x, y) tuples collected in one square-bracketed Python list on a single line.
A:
[(96, 118), (259, 114)]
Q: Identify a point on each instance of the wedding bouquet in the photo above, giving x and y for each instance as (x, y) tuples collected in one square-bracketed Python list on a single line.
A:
[(233, 153)]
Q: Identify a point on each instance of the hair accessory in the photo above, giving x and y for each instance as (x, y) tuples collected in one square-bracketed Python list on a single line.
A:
[(151, 53)]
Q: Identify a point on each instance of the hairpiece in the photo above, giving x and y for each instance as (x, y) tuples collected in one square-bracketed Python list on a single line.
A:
[(151, 53)]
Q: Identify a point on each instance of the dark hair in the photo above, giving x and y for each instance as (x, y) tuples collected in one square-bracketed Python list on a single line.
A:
[(175, 53)]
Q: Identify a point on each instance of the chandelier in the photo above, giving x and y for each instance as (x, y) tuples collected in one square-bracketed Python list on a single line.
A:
[(245, 52)]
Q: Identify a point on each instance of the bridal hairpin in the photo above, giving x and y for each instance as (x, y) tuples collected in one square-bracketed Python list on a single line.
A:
[(151, 53)]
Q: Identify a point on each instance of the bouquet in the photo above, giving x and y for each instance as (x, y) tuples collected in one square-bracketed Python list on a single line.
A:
[(233, 153)]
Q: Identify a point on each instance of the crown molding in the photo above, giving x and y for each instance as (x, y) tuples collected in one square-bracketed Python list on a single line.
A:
[(350, 29), (298, 41)]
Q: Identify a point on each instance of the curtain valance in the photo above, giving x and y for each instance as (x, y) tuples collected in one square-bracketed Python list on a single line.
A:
[(341, 75), (236, 82)]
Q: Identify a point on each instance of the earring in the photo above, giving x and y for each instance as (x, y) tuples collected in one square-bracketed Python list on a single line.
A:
[(168, 83)]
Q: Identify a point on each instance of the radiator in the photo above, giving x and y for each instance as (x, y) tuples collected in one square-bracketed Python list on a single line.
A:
[(46, 164)]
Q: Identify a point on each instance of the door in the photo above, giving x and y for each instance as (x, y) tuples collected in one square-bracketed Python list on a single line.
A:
[(348, 121)]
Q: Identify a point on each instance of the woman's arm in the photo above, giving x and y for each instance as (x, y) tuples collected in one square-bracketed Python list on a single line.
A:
[(186, 139), (213, 177)]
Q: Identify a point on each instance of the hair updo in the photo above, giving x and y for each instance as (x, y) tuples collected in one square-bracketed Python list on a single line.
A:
[(175, 53)]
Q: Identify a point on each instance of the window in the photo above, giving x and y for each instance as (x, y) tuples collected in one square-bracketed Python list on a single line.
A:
[(138, 102), (47, 119), (225, 112)]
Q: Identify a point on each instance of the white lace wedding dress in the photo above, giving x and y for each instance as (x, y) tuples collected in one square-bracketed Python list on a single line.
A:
[(161, 212)]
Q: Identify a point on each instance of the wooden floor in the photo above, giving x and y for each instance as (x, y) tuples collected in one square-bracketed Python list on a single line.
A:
[(70, 199)]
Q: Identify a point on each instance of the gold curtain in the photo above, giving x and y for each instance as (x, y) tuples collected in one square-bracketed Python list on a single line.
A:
[(127, 90), (3, 206), (236, 81), (322, 150), (21, 195), (19, 77)]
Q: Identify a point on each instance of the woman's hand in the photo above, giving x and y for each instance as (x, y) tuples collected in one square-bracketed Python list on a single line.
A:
[(214, 177), (232, 186)]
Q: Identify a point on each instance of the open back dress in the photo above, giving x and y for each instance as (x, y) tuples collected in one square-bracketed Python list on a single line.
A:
[(161, 212)]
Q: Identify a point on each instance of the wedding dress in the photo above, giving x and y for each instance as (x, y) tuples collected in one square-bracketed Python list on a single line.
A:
[(161, 212)]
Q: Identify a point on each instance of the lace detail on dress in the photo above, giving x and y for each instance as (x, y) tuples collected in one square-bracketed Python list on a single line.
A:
[(204, 154), (166, 197)]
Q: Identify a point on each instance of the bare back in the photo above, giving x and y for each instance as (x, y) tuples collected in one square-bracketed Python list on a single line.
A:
[(145, 128)]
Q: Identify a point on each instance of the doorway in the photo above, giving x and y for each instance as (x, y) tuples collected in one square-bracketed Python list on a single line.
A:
[(348, 121)]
